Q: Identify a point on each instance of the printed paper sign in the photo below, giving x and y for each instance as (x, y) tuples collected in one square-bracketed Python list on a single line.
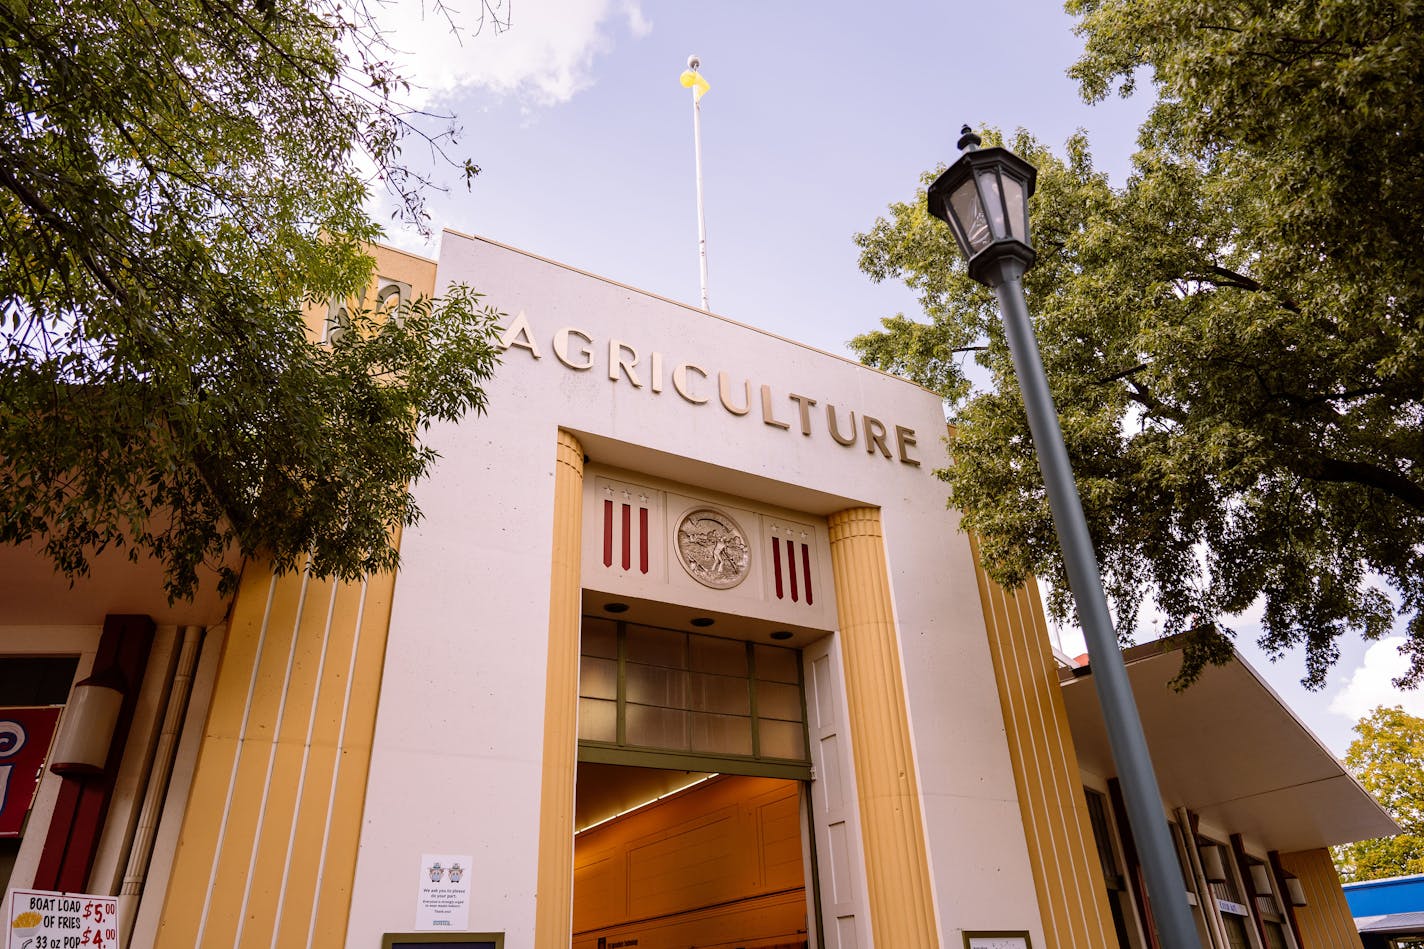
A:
[(41, 919), (997, 941), (444, 892)]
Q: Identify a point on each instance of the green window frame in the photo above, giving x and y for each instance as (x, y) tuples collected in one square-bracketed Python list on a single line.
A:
[(668, 698)]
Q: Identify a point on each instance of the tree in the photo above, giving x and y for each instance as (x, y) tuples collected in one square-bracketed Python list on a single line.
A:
[(177, 180), (1388, 759), (1234, 338)]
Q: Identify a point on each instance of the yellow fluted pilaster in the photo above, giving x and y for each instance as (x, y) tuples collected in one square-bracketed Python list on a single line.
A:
[(896, 863), (267, 852), (1067, 873), (553, 923)]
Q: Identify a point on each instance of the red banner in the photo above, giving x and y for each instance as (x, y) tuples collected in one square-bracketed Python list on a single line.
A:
[(25, 737)]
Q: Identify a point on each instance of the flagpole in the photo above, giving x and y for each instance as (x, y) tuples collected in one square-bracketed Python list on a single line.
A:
[(693, 63)]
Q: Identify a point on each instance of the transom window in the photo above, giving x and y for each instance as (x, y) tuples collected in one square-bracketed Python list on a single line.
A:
[(662, 690)]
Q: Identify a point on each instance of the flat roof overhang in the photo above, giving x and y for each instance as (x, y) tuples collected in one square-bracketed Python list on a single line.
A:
[(36, 594), (1230, 750)]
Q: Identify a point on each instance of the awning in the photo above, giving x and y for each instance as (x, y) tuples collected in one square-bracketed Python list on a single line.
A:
[(1393, 924), (1230, 750)]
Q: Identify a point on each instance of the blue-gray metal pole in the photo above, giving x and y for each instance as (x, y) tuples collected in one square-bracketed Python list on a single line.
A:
[(1165, 885)]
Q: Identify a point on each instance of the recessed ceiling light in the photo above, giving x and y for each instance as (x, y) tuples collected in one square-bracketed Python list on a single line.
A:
[(701, 621), (615, 607), (781, 634)]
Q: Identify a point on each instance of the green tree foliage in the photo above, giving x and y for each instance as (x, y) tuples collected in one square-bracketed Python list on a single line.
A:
[(177, 179), (1388, 759), (1235, 338)]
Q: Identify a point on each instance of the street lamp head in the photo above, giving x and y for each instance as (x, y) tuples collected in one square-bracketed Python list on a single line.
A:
[(983, 197)]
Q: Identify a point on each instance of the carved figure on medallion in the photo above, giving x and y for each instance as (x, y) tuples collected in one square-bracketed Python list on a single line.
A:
[(712, 549)]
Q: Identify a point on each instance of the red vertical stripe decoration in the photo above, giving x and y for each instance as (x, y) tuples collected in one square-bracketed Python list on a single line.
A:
[(627, 536), (607, 533), (791, 567), (806, 572), (776, 564), (643, 539)]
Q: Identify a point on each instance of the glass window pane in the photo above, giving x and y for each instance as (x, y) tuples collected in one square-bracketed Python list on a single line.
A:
[(783, 740), (656, 727), (654, 685), (727, 656), (598, 678), (1018, 208), (777, 665), (965, 201), (599, 637), (722, 734), (721, 694), (775, 700), (993, 200), (659, 647), (597, 720)]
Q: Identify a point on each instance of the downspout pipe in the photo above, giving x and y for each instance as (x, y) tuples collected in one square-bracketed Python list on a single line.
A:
[(141, 850)]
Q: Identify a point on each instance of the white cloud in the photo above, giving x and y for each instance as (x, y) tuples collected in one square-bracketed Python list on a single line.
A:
[(1369, 685), (545, 56)]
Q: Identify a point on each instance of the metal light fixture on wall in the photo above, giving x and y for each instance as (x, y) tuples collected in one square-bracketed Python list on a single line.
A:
[(983, 197), (1261, 880), (1295, 891), (1213, 866), (87, 729)]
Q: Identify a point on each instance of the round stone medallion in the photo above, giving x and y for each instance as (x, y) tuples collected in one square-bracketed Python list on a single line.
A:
[(712, 549)]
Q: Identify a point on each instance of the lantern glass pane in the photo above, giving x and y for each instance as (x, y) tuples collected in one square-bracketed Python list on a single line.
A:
[(970, 214), (1017, 204), (993, 201)]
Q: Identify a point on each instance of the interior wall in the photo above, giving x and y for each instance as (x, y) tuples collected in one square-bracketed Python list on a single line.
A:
[(606, 791), (718, 866)]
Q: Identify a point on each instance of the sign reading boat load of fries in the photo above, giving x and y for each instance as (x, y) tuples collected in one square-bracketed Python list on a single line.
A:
[(40, 919)]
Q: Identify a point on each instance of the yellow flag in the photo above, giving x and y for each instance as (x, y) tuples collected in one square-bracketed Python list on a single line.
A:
[(692, 79)]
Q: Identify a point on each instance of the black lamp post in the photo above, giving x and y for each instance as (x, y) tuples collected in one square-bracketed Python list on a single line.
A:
[(984, 198)]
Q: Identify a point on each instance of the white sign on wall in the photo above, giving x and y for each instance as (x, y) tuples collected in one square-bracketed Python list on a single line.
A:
[(443, 900), (1010, 940), (42, 919)]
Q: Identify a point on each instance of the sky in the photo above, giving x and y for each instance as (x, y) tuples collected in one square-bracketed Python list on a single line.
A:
[(819, 116)]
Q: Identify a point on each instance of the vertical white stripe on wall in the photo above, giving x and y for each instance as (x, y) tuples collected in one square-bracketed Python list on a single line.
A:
[(236, 758), (271, 759)]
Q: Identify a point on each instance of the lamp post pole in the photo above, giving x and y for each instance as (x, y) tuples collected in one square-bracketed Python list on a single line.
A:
[(976, 198), (1129, 745)]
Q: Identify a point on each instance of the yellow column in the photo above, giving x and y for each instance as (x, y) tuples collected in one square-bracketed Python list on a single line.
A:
[(553, 919), (1067, 872), (1325, 918), (267, 853), (897, 866)]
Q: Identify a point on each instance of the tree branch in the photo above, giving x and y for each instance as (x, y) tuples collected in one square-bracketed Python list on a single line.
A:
[(1318, 466), (1122, 375)]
